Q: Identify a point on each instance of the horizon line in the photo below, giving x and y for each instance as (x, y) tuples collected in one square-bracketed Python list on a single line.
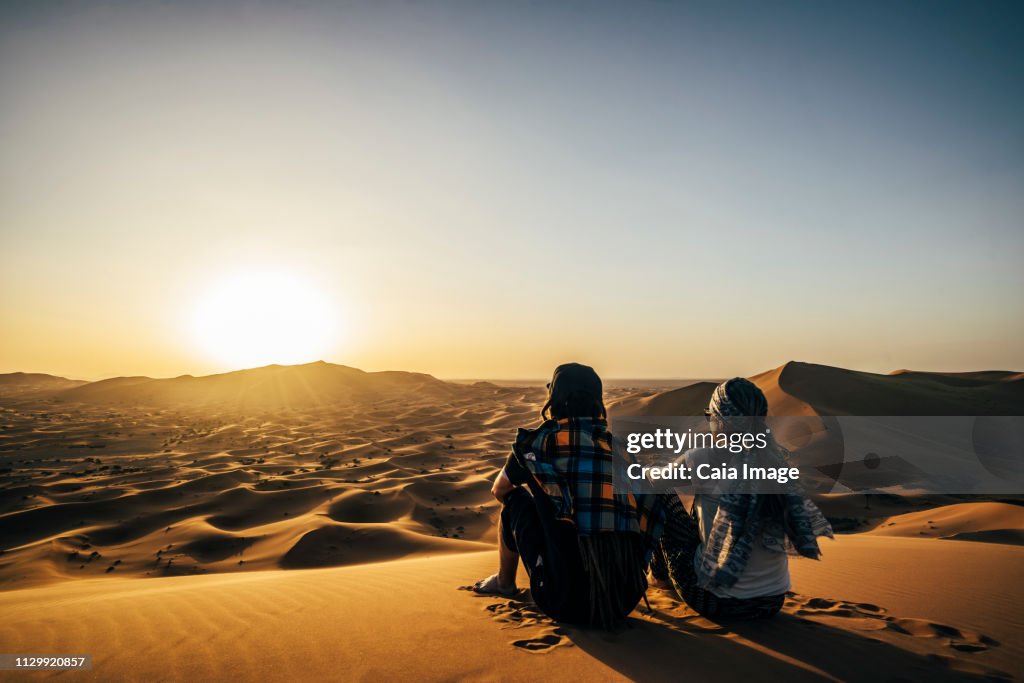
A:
[(610, 378)]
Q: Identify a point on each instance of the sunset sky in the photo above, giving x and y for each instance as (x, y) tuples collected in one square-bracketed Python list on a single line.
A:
[(478, 189)]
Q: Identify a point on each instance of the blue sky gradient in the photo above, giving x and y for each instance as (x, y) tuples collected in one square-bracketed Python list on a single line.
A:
[(486, 189)]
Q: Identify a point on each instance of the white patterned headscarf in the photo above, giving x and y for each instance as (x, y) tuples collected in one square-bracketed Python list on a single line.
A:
[(738, 397), (740, 520)]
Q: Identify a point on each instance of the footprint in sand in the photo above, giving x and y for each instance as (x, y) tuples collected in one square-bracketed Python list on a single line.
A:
[(539, 644), (520, 614), (868, 617), (543, 633)]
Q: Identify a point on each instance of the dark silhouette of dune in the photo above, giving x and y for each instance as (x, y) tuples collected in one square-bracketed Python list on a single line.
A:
[(295, 386), (806, 389), (97, 391), (803, 388), (14, 384), (963, 378), (688, 400)]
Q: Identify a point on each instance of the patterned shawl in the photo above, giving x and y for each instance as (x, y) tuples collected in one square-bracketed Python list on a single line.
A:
[(574, 460), (741, 520)]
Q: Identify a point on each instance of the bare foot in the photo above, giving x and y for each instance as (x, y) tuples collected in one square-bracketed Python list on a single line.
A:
[(492, 585)]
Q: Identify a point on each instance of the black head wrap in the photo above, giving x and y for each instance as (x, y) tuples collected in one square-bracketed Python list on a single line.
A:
[(575, 390)]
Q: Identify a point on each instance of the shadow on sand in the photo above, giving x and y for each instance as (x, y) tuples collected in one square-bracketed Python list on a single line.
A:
[(670, 647)]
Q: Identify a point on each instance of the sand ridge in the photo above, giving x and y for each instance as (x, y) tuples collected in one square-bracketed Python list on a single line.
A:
[(807, 389), (992, 522), (407, 618)]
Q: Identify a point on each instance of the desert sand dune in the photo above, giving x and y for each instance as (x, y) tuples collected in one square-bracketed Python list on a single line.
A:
[(688, 400), (274, 386), (796, 387), (245, 516), (990, 521), (807, 389), (314, 465), (34, 384), (964, 378), (849, 621)]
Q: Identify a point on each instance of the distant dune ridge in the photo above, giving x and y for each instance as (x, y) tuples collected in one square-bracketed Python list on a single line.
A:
[(990, 522), (807, 389), (688, 400), (818, 392), (34, 384), (295, 386), (794, 388)]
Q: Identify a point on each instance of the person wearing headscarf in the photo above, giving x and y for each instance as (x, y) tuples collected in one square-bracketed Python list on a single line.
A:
[(585, 546), (729, 558)]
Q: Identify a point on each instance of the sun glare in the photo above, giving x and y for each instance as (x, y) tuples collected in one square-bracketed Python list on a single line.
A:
[(263, 317)]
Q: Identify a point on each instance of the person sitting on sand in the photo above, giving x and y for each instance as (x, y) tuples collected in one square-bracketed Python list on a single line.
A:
[(585, 547), (730, 558)]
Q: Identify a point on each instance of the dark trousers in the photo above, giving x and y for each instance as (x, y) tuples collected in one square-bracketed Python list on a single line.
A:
[(673, 560), (564, 585), (558, 583)]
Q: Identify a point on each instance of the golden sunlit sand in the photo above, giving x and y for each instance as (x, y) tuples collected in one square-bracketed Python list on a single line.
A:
[(296, 521), (406, 619)]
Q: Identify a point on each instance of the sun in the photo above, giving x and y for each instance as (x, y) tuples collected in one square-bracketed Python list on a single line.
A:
[(261, 317)]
